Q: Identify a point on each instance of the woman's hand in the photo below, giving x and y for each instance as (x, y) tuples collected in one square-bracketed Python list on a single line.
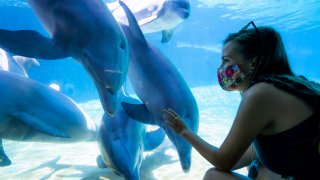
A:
[(175, 121)]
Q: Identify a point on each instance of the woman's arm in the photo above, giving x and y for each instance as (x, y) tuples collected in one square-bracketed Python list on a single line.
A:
[(246, 159), (253, 115)]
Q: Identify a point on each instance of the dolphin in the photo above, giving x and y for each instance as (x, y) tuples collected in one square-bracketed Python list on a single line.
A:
[(154, 15), (123, 140), (159, 85), (33, 112), (19, 65), (82, 29)]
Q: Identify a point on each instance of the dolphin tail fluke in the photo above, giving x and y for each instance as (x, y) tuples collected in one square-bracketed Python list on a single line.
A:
[(39, 125), (31, 44), (166, 35), (133, 23), (138, 112), (154, 139)]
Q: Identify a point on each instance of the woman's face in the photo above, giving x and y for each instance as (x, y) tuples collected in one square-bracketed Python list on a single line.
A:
[(231, 56)]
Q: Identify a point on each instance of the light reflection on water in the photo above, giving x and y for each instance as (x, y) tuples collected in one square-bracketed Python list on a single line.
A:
[(296, 14)]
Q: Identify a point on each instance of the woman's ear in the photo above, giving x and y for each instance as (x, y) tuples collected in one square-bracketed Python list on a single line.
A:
[(253, 64)]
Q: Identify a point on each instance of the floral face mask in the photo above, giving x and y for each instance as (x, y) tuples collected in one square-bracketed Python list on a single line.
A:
[(230, 77)]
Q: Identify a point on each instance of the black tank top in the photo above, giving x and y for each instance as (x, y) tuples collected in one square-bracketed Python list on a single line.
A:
[(293, 152)]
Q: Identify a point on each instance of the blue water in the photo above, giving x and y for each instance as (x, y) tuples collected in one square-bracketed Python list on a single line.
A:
[(195, 49), (196, 44)]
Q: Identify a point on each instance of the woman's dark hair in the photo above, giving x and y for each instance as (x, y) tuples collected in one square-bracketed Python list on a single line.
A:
[(266, 44)]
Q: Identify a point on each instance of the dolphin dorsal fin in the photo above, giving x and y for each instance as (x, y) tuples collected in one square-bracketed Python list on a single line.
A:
[(26, 63), (133, 24)]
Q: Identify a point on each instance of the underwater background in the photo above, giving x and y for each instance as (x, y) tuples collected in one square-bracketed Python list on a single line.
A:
[(195, 49)]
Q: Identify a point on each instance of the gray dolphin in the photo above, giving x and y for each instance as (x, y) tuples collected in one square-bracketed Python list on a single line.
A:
[(123, 140), (18, 65), (82, 29), (31, 111), (159, 85), (154, 15)]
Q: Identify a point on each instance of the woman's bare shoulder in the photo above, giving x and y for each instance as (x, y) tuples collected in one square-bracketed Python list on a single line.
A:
[(266, 99), (282, 108), (262, 91)]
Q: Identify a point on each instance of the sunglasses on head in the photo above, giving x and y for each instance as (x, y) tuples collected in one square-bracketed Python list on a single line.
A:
[(246, 27)]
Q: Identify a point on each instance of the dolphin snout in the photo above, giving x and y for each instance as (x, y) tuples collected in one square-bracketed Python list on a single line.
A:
[(183, 149), (182, 7), (185, 14), (108, 101), (186, 164), (112, 106), (109, 90), (123, 161)]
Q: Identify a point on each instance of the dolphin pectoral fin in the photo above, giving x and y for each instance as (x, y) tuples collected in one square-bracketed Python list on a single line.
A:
[(39, 124), (154, 139), (166, 35), (138, 112), (133, 24), (30, 43)]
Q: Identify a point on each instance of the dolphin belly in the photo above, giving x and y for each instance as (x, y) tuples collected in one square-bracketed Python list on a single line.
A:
[(31, 111)]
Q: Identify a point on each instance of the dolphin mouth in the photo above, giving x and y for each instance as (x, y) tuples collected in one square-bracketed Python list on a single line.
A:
[(108, 100), (184, 150), (182, 7), (122, 159), (185, 14), (114, 77), (111, 106)]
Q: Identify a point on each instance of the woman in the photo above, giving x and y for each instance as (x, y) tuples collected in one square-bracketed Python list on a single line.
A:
[(278, 114)]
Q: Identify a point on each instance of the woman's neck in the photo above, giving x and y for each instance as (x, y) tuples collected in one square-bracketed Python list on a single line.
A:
[(244, 86)]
